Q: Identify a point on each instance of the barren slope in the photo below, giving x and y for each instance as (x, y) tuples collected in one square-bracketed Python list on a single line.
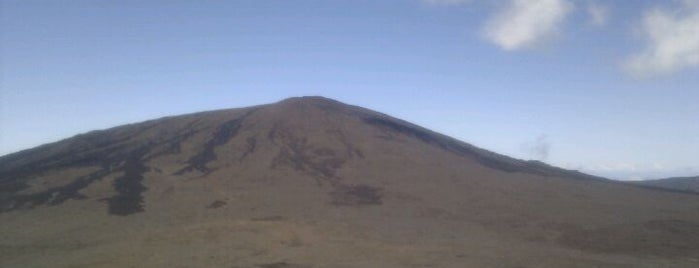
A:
[(311, 182)]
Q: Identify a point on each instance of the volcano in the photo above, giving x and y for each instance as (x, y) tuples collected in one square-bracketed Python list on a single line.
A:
[(313, 182)]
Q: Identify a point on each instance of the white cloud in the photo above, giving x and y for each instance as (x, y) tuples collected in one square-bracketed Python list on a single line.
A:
[(673, 41), (524, 23), (599, 14)]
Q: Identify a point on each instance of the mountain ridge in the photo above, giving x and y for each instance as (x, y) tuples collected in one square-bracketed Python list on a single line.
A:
[(680, 184)]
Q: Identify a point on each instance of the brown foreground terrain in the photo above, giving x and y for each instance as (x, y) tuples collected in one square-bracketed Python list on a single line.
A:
[(311, 182)]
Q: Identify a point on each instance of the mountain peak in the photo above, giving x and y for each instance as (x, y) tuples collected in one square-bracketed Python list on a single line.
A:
[(309, 99)]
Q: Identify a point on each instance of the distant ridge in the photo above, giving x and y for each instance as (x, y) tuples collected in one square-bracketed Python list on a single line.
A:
[(686, 184)]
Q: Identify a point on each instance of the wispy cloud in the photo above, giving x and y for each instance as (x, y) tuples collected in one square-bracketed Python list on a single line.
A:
[(672, 41), (598, 13), (523, 23)]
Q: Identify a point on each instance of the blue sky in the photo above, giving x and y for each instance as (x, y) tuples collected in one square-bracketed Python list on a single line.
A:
[(607, 87)]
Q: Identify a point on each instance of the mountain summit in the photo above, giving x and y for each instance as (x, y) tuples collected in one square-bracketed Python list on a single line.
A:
[(313, 182)]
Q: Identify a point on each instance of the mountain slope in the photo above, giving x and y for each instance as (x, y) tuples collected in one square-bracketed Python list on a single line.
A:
[(311, 182), (687, 184)]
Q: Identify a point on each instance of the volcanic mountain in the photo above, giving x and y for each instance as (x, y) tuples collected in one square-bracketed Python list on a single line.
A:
[(312, 182)]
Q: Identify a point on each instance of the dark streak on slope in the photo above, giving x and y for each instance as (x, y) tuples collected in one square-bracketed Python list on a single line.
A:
[(108, 159), (322, 163), (216, 204), (53, 196), (252, 143), (103, 148), (174, 144), (224, 133), (129, 187), (94, 148), (356, 195)]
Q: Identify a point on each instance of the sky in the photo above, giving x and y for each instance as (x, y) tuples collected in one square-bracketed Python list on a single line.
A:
[(606, 87)]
